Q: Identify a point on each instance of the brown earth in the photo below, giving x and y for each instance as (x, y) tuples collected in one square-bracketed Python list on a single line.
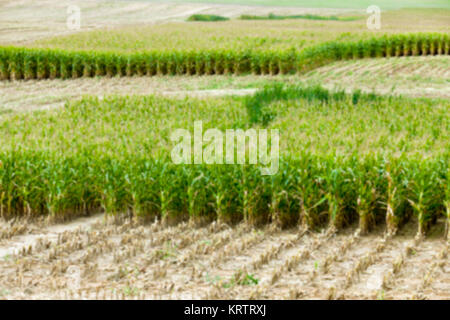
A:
[(98, 258)]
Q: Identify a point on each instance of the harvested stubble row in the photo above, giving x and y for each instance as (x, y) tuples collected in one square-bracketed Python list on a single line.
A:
[(114, 155), (32, 63)]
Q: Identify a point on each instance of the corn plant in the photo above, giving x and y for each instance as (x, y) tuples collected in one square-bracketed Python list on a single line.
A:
[(199, 64), (100, 65), (446, 187), (65, 64), (400, 45), (53, 65), (415, 45), (368, 179), (143, 185), (219, 62), (16, 61), (425, 195), (242, 62), (254, 196), (425, 46), (88, 66), (190, 63), (78, 66), (4, 64), (222, 188), (30, 66), (121, 65), (274, 64), (180, 66), (407, 45), (111, 64), (337, 192), (174, 203), (200, 195), (209, 63), (395, 199), (287, 62), (446, 44), (308, 192), (151, 64), (171, 63), (283, 210)]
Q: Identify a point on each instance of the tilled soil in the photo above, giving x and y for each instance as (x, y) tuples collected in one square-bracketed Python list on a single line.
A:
[(97, 258)]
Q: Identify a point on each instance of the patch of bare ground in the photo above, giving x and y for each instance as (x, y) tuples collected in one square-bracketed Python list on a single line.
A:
[(19, 235), (98, 258), (219, 275), (50, 94), (294, 272), (409, 76), (412, 271)]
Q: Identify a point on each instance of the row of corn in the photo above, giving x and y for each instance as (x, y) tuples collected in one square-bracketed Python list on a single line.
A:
[(312, 190), (32, 63)]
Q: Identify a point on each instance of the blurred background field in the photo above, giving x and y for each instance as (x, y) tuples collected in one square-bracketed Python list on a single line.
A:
[(241, 34)]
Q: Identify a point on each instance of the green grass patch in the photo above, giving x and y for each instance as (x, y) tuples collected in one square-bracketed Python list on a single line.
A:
[(207, 18), (272, 16), (348, 4)]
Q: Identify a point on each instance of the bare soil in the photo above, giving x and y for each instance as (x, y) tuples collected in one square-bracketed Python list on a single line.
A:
[(96, 258)]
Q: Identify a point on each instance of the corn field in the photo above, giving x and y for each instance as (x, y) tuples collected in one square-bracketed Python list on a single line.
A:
[(30, 63), (166, 151), (106, 156), (311, 191)]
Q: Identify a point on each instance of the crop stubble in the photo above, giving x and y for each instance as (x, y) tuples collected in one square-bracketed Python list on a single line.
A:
[(206, 262)]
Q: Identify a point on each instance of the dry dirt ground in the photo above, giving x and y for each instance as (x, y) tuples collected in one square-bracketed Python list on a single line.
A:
[(98, 258), (410, 76), (27, 20)]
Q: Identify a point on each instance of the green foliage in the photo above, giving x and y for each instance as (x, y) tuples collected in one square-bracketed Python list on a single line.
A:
[(343, 157), (207, 18), (17, 63), (272, 16), (259, 105)]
